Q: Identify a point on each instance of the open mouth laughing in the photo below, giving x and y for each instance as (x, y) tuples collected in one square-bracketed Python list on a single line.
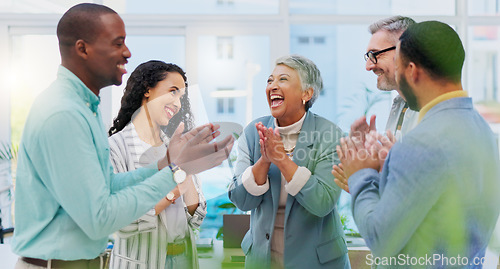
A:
[(276, 100)]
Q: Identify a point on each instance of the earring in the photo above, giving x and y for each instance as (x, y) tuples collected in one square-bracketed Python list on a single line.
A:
[(303, 102)]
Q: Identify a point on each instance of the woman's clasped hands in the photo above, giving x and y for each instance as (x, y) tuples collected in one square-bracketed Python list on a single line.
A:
[(271, 145)]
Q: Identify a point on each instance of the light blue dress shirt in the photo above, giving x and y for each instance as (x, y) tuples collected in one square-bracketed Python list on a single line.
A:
[(68, 200)]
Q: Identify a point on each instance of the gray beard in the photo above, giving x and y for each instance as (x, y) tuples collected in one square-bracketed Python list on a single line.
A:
[(385, 86)]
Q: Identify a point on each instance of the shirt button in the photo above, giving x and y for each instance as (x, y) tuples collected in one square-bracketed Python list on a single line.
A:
[(267, 236), (95, 114), (88, 104)]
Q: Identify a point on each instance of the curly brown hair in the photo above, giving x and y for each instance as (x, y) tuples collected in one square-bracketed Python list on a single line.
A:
[(146, 76)]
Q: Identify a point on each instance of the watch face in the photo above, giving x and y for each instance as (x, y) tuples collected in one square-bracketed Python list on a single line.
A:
[(170, 196), (179, 176)]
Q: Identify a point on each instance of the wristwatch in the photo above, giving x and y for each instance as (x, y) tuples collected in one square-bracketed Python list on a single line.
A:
[(170, 197), (179, 174)]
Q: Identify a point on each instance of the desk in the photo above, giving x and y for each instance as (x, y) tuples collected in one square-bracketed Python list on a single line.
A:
[(220, 257)]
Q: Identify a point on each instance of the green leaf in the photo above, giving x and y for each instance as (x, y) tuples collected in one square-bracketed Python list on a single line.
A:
[(227, 205), (220, 233)]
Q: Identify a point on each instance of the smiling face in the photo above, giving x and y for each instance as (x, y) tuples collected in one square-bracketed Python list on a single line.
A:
[(164, 100), (384, 68), (285, 95), (108, 54)]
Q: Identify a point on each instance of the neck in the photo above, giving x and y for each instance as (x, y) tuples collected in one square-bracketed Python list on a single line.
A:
[(147, 130), (78, 71), (283, 122), (434, 90)]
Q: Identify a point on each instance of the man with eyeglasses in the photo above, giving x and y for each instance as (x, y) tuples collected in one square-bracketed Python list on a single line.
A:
[(380, 59)]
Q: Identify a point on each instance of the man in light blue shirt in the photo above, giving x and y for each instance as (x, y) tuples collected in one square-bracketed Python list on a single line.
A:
[(435, 202), (68, 200)]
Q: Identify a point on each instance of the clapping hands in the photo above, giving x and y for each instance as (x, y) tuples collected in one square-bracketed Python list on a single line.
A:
[(271, 145), (193, 151), (356, 154)]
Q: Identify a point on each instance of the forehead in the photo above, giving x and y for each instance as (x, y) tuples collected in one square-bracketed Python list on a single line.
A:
[(172, 79), (284, 69), (380, 40), (111, 26)]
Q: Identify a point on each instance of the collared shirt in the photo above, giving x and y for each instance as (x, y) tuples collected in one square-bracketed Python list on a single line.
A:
[(68, 200), (407, 120), (439, 99)]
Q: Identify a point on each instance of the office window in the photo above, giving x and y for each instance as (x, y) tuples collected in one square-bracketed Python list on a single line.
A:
[(484, 7), (311, 40), (230, 105), (303, 40), (225, 105), (229, 7), (483, 60), (48, 6), (29, 77), (225, 2), (319, 40), (373, 7), (224, 48), (220, 106)]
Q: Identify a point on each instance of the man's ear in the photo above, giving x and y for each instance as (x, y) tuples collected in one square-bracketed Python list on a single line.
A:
[(413, 72), (81, 48)]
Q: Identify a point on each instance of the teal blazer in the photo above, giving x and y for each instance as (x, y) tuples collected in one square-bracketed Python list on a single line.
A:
[(313, 233)]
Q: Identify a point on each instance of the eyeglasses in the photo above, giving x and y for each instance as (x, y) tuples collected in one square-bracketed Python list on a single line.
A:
[(373, 55)]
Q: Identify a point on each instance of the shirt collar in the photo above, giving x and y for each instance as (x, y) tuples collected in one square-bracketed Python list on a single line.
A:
[(88, 97), (439, 99), (291, 129), (398, 99)]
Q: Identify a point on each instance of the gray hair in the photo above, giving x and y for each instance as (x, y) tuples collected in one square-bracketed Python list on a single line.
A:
[(395, 25), (309, 74)]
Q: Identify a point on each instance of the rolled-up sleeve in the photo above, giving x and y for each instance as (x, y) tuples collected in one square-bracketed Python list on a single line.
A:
[(251, 186), (144, 224), (298, 181), (200, 213)]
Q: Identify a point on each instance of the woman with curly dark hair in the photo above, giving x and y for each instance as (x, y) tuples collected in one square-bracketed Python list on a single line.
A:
[(144, 77), (155, 101)]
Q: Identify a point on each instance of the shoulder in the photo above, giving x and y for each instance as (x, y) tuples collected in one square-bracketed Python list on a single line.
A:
[(265, 120), (119, 141), (58, 101), (250, 128), (324, 126)]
